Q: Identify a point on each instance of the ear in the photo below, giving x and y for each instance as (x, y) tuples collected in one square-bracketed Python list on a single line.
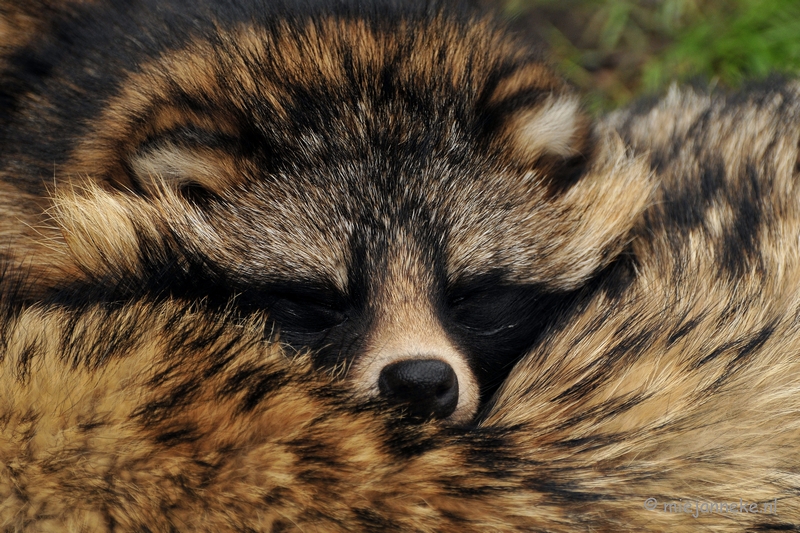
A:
[(594, 189), (535, 117), (184, 168), (556, 127)]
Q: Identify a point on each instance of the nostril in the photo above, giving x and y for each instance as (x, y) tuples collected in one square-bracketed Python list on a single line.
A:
[(428, 388)]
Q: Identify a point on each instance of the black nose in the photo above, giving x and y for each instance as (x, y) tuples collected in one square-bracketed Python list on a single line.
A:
[(427, 387)]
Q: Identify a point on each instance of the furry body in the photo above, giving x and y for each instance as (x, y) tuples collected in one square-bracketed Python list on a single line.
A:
[(678, 381), (130, 402), (391, 182)]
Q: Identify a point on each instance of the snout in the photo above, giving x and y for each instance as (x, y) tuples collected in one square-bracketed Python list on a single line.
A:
[(428, 384), (427, 388)]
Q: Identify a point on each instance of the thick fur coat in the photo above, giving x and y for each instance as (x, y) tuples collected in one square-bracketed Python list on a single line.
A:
[(664, 397), (678, 382), (392, 181)]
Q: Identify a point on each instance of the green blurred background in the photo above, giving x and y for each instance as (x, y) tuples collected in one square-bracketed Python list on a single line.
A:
[(615, 50)]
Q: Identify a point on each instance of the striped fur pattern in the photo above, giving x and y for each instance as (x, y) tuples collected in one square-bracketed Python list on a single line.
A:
[(391, 181), (678, 381), (158, 370)]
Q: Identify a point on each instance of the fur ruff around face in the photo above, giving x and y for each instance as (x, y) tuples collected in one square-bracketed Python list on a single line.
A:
[(141, 390)]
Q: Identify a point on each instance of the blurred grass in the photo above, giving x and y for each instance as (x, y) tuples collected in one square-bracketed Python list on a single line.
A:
[(615, 50)]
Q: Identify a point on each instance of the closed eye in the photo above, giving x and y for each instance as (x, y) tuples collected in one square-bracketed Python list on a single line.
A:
[(488, 312), (306, 312), (488, 332), (496, 322)]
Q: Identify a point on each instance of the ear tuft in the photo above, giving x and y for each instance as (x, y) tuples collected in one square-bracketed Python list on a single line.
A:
[(557, 127), (178, 167)]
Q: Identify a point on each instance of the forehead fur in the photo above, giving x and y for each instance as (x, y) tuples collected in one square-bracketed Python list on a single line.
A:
[(470, 222), (343, 128), (330, 83)]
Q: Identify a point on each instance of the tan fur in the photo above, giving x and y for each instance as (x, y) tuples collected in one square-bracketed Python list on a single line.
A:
[(608, 200), (683, 387), (576, 233), (115, 135), (677, 377), (389, 158), (208, 168), (552, 129)]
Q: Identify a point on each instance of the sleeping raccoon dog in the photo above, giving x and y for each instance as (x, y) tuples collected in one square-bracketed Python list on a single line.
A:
[(669, 403), (408, 191)]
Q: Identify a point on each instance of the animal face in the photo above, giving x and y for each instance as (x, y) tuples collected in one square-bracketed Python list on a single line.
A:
[(410, 195)]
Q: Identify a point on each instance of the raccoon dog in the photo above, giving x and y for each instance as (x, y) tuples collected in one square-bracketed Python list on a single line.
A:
[(408, 191), (669, 402)]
